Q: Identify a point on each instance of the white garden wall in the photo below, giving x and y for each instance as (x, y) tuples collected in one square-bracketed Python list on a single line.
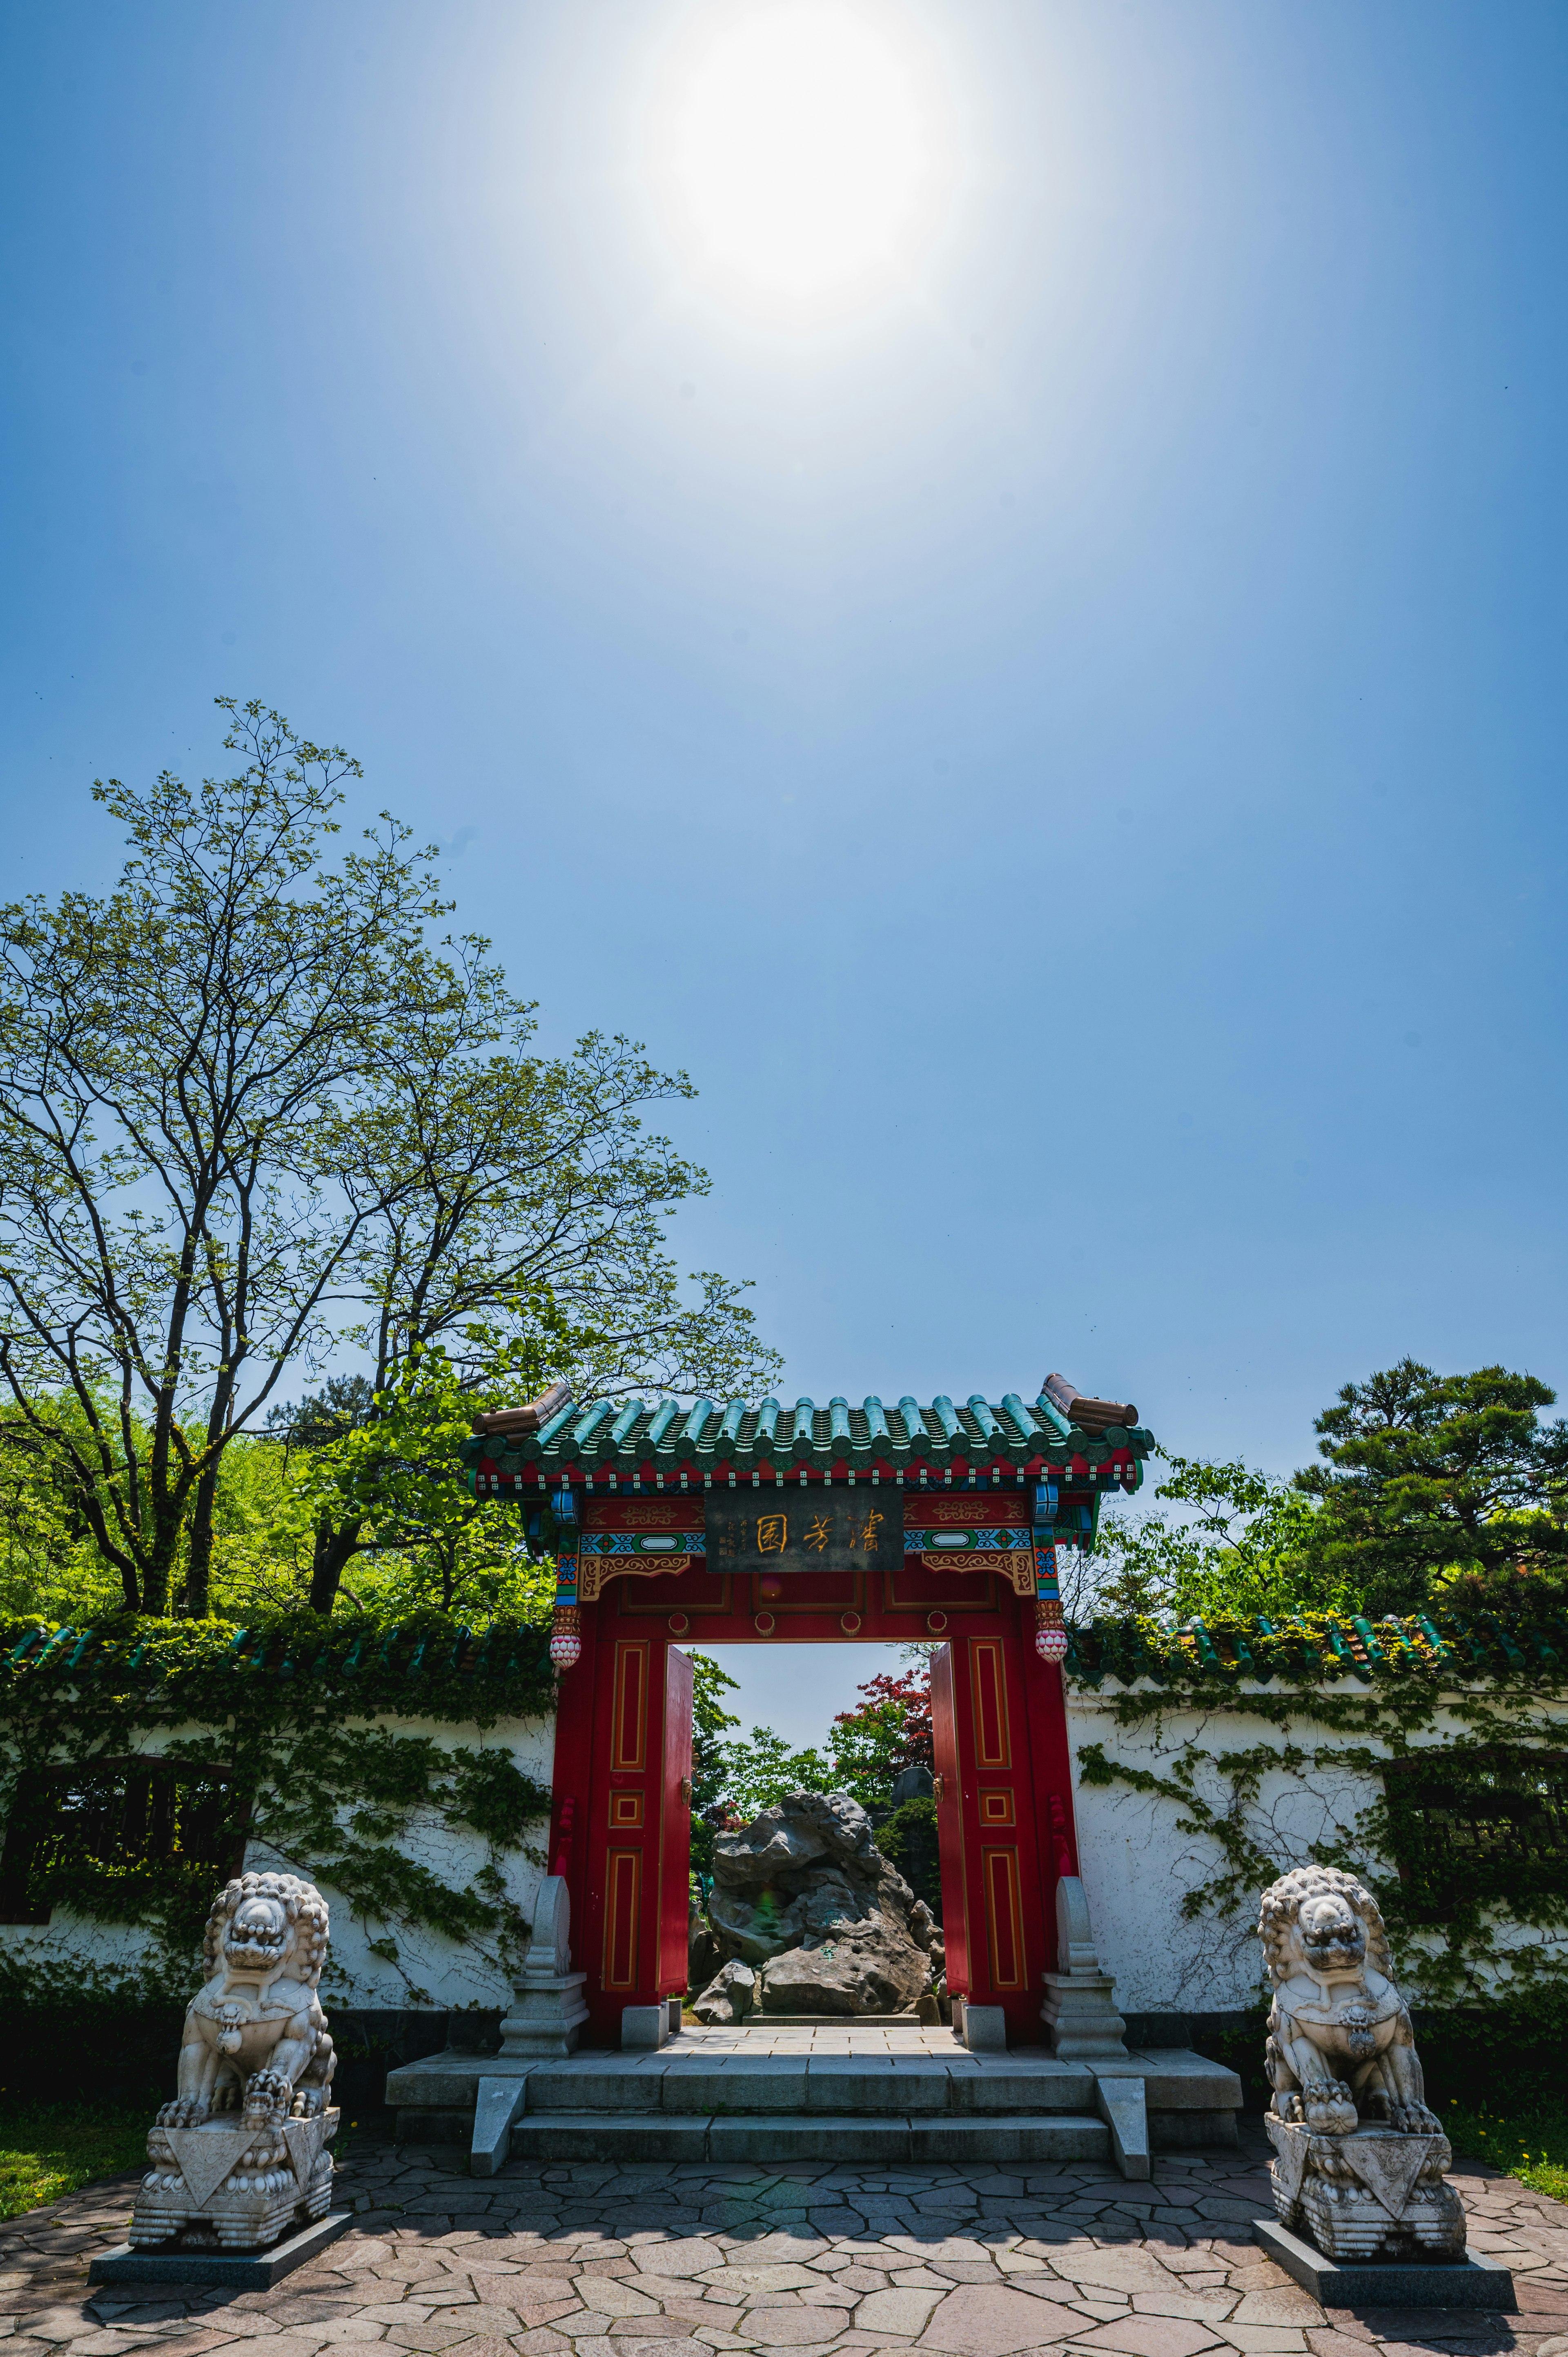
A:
[(1138, 1864), (432, 1972)]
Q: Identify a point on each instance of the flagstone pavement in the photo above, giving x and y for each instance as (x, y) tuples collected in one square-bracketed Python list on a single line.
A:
[(683, 2260)]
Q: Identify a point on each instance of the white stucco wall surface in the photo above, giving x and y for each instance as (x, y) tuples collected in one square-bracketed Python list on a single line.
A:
[(1138, 1864), (430, 1971)]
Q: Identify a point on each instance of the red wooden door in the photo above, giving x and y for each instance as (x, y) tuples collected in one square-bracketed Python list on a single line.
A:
[(949, 1823), (986, 1822), (675, 1825), (998, 1819)]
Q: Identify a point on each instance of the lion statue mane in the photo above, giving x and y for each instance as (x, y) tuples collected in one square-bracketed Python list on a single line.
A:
[(1340, 2045)]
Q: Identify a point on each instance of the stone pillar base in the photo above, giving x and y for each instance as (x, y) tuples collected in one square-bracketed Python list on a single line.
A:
[(546, 2017), (1080, 2017)]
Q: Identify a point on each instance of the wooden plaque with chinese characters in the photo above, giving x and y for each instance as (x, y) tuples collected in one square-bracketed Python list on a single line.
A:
[(805, 1529)]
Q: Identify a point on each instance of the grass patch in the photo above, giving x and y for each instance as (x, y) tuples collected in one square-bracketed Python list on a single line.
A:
[(1528, 2139), (48, 2150)]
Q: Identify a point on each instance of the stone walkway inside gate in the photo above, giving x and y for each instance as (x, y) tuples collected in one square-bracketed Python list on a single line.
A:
[(681, 2261)]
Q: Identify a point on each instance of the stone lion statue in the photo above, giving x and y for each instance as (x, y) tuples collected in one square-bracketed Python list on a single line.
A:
[(256, 2037), (1340, 2047)]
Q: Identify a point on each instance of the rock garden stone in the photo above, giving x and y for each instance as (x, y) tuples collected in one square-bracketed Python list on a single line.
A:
[(805, 1897)]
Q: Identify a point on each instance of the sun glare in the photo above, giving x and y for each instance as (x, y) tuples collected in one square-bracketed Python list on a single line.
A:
[(799, 150)]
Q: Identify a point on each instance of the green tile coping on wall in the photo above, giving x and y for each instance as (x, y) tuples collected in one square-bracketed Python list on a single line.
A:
[(437, 1657)]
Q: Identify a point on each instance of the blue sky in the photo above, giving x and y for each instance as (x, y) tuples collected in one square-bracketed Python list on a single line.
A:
[(1065, 743)]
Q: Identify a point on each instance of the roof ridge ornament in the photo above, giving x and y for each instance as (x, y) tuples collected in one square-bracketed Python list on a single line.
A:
[(1093, 1416), (531, 1416)]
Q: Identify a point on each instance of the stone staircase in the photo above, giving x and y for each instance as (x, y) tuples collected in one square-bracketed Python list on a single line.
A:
[(804, 2094)]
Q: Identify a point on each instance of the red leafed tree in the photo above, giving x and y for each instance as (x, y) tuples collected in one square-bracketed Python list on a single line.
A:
[(890, 1730)]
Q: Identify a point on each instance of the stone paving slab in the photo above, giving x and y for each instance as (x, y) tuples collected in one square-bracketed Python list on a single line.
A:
[(692, 2258)]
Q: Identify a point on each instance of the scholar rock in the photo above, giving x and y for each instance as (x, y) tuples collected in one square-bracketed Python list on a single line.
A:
[(729, 1996), (240, 2154), (1360, 2163), (804, 1896), (701, 1948)]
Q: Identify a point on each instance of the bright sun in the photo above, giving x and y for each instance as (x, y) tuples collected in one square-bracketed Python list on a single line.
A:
[(799, 150)]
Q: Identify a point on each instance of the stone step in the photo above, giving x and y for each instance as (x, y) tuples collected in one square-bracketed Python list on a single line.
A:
[(846, 2021), (712, 2096), (562, 2136), (843, 2085)]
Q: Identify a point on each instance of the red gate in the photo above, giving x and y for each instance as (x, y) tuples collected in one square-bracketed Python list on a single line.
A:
[(623, 1754)]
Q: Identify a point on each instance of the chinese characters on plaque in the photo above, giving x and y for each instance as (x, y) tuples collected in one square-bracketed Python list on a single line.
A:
[(805, 1529)]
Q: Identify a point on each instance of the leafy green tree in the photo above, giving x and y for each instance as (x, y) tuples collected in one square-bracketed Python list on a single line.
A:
[(181, 1064), (1242, 1545), (46, 1558), (710, 1751), (1430, 1484), (762, 1768), (1430, 1479), (250, 1115), (422, 1540), (524, 1227)]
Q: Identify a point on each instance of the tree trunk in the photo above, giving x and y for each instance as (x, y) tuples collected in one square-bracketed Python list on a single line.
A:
[(331, 1555), (154, 1585), (199, 1574)]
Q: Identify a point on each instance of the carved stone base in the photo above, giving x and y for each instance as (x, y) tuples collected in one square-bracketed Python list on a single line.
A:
[(1473, 2280), (234, 2270), (1081, 2017), (546, 2017), (1079, 2010), (1375, 2194), (200, 2194)]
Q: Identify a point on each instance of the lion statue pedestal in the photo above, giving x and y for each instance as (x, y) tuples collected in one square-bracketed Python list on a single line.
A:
[(1361, 2164), (239, 2156)]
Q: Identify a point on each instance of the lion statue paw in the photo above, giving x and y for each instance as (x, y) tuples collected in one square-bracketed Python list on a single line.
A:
[(184, 2112), (1331, 2110)]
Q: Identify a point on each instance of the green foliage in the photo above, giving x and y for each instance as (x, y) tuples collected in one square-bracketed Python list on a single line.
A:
[(420, 1539), (1241, 1547), (908, 1839), (47, 1562), (293, 1715), (710, 1753), (1304, 1653), (1433, 1486), (1527, 2139), (1431, 1478), (185, 1066), (50, 2149), (761, 1767), (252, 1114)]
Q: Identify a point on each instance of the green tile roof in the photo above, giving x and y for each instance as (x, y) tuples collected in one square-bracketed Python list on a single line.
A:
[(711, 1435)]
